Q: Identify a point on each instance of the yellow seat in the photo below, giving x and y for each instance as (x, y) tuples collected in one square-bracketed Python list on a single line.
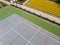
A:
[(45, 5)]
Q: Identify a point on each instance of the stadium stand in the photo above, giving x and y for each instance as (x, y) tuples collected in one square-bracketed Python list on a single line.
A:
[(46, 6)]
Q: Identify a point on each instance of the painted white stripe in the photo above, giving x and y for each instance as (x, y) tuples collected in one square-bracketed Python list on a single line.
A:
[(39, 28), (22, 36), (8, 30), (33, 37)]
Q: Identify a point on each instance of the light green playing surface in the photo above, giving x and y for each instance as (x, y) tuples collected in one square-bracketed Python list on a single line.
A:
[(9, 10)]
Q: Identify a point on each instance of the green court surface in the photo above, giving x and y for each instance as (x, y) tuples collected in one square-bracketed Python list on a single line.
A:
[(9, 10)]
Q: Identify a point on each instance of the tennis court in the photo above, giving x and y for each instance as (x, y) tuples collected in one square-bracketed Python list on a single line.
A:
[(20, 27), (15, 30)]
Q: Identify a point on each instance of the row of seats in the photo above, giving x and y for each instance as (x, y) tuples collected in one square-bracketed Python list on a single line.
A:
[(46, 6)]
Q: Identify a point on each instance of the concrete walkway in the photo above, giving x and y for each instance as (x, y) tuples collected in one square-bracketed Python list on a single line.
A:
[(38, 12)]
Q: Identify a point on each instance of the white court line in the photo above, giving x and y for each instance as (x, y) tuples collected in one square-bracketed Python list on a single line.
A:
[(9, 30), (46, 34), (33, 25), (30, 23), (32, 37), (49, 36), (40, 31), (22, 36)]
